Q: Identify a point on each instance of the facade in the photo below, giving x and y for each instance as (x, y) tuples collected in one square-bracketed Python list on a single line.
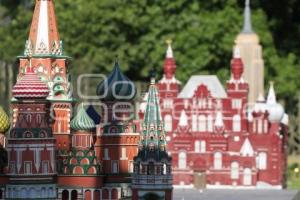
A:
[(152, 178), (215, 138), (49, 152)]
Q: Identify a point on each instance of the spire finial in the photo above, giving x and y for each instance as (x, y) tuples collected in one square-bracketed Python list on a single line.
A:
[(169, 50), (152, 74), (247, 18), (271, 99)]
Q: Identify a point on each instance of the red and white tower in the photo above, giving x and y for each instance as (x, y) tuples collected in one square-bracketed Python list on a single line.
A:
[(31, 145), (48, 60)]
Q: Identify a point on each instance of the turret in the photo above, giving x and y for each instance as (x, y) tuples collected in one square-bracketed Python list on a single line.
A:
[(169, 86), (152, 159)]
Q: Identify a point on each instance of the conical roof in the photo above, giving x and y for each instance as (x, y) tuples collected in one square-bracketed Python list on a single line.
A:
[(4, 121), (30, 86), (44, 36), (116, 86), (82, 121)]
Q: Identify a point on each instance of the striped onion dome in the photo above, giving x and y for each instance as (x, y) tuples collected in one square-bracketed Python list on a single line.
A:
[(116, 86), (4, 121), (30, 86), (82, 121)]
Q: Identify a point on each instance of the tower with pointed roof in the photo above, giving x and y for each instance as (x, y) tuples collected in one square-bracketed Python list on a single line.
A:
[(152, 178), (44, 49), (118, 138), (31, 144), (251, 54)]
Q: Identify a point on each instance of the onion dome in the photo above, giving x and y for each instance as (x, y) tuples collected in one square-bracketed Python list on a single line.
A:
[(30, 86), (237, 67), (82, 121), (4, 121), (276, 111), (116, 86)]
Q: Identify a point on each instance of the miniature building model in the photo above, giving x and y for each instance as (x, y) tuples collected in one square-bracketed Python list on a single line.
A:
[(214, 138), (152, 177)]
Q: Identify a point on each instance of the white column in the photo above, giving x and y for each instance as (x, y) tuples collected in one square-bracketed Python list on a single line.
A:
[(109, 193)]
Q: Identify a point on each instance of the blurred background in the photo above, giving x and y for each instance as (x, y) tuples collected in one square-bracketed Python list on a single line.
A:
[(203, 34)]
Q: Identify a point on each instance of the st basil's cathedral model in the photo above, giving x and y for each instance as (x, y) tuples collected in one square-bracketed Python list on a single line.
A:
[(213, 138)]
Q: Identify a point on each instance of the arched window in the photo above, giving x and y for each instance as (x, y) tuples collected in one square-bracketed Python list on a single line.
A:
[(236, 123), (182, 160), (74, 195), (259, 126), (197, 146), (168, 123), (202, 123), (218, 160), (247, 179), (209, 123), (234, 170), (194, 123), (203, 147), (261, 161), (266, 126), (28, 118)]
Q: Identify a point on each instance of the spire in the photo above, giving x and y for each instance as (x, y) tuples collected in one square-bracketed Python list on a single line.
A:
[(271, 99), (247, 18), (43, 37), (169, 50)]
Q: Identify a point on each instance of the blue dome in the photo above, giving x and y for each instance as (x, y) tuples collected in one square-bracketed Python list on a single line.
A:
[(116, 87)]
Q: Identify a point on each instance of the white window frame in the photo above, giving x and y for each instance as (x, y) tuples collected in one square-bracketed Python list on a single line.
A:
[(26, 165), (123, 153), (43, 165), (194, 123), (202, 146), (218, 160), (234, 170), (182, 160), (262, 160), (168, 123), (202, 123), (236, 123), (113, 162), (197, 146), (106, 154)]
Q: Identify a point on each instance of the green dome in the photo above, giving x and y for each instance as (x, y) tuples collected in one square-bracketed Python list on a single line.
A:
[(82, 121), (4, 121)]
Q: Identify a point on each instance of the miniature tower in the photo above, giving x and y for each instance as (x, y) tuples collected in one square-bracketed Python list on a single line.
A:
[(118, 140), (31, 145), (48, 61), (251, 53), (152, 178), (237, 90), (81, 165), (169, 86)]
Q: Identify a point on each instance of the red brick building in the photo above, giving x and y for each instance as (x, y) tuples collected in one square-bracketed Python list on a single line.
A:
[(215, 137)]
